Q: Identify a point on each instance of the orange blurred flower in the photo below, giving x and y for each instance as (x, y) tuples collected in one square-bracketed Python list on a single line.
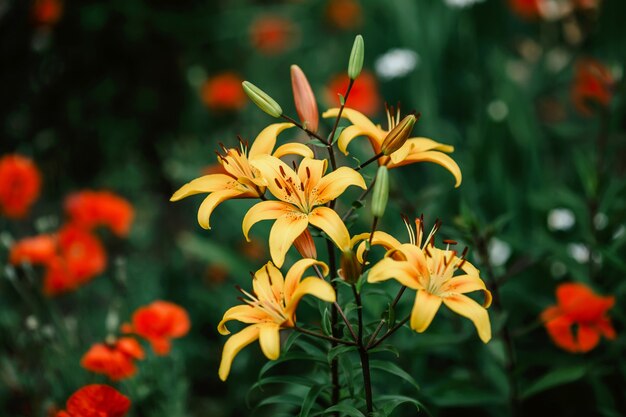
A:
[(363, 97), (89, 209), (46, 12), (20, 183), (272, 35), (593, 83), (37, 250), (223, 92), (579, 318), (116, 360), (159, 322), (82, 253), (96, 401), (344, 14), (526, 9)]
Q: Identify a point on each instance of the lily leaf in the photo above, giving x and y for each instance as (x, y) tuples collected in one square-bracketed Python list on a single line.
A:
[(555, 378)]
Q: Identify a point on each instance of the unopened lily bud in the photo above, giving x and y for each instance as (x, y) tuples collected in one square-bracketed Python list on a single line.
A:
[(398, 135), (262, 100), (350, 267), (356, 57), (305, 245), (380, 194), (303, 96)]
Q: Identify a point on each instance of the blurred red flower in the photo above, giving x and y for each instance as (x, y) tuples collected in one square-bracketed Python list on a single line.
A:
[(526, 9), (20, 183), (223, 92), (116, 360), (272, 35), (37, 250), (159, 322), (579, 318), (363, 97), (344, 14), (89, 209), (47, 12), (593, 83), (96, 401)]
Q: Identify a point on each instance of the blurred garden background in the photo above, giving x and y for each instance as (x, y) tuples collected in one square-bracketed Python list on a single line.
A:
[(132, 97)]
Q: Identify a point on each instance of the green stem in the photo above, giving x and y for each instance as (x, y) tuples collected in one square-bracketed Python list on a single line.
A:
[(323, 336)]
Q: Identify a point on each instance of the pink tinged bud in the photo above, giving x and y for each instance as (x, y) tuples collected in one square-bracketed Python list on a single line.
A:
[(305, 245), (303, 96)]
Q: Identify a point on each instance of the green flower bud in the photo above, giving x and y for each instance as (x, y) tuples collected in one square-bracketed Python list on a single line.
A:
[(262, 100), (398, 135), (380, 194), (356, 58), (350, 267)]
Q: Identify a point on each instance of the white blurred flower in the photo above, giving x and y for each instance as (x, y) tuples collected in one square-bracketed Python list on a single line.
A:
[(561, 219), (459, 4), (619, 233), (499, 251), (497, 110), (31, 323), (579, 252), (396, 63), (600, 221)]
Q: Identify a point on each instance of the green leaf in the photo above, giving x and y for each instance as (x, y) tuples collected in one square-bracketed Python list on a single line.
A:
[(339, 350), (391, 368), (391, 402), (290, 356), (326, 324), (555, 378), (289, 399), (317, 142), (342, 408), (337, 134), (311, 397)]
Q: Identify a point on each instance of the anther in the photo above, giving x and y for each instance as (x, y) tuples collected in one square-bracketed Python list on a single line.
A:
[(308, 172), (278, 183), (282, 171), (449, 242)]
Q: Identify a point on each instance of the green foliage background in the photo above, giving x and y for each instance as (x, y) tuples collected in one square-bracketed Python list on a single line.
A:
[(108, 98)]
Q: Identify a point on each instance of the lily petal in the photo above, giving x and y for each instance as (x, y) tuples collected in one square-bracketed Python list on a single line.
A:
[(204, 184), (265, 210), (470, 309), (380, 238), (353, 132), (272, 170), (268, 282), (329, 221), (269, 339), (311, 171), (295, 274), (233, 346), (401, 271), (334, 184), (212, 201), (293, 149), (424, 309), (242, 313), (436, 157), (284, 231), (467, 283), (356, 118), (425, 144), (266, 140), (312, 286)]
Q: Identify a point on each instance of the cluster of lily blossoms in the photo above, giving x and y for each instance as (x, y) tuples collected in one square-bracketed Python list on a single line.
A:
[(299, 197)]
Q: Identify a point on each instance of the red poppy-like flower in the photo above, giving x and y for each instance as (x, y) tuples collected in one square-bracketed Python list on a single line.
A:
[(223, 92), (593, 83), (344, 14), (116, 360), (96, 401), (89, 209), (20, 183), (80, 258), (363, 97), (272, 35), (579, 318), (37, 250), (159, 322), (47, 12), (526, 9)]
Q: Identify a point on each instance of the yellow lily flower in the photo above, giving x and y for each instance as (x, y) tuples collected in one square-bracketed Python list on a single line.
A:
[(302, 196), (413, 150), (270, 308), (430, 271), (241, 179)]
